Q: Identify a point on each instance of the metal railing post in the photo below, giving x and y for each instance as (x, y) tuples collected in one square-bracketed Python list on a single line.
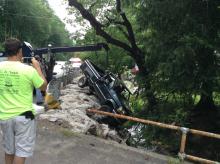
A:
[(181, 153)]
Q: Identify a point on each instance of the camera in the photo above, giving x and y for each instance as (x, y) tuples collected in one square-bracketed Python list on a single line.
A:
[(27, 52), (27, 60)]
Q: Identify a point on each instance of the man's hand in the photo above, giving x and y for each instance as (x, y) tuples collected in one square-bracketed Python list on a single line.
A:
[(36, 65)]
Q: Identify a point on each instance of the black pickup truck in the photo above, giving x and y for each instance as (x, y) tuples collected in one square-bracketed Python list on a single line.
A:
[(110, 90)]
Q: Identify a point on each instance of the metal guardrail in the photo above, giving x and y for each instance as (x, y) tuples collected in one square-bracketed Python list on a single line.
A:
[(182, 155)]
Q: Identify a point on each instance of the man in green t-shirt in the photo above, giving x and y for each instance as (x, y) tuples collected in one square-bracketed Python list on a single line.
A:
[(17, 81)]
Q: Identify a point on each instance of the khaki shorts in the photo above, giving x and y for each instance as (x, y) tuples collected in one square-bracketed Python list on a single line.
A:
[(19, 136)]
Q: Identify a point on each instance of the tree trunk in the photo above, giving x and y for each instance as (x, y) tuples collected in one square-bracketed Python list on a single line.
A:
[(205, 114), (206, 63), (206, 102), (144, 73)]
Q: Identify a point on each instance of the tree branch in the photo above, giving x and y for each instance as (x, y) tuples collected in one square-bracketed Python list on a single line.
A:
[(133, 50), (92, 5), (114, 21), (118, 6), (118, 25), (127, 24), (98, 26), (123, 32)]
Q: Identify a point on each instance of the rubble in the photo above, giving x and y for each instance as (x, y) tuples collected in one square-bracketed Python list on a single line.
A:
[(74, 103)]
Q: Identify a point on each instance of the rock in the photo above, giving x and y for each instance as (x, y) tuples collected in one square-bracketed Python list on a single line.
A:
[(75, 102), (112, 134), (53, 119)]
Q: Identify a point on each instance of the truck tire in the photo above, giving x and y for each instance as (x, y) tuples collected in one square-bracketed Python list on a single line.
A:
[(82, 82), (105, 108), (111, 121)]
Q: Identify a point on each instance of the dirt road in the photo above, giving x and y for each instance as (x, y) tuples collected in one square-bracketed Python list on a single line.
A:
[(56, 145)]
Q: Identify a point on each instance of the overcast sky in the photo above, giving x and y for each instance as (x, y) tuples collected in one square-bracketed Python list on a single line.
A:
[(60, 10), (58, 7)]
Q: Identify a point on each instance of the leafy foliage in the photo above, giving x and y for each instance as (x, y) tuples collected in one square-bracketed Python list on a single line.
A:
[(184, 36), (32, 21)]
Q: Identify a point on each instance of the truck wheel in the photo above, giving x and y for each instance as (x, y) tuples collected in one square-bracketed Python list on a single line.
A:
[(105, 108), (82, 82), (111, 121)]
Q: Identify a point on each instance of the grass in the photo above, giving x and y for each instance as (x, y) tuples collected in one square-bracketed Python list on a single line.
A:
[(174, 161)]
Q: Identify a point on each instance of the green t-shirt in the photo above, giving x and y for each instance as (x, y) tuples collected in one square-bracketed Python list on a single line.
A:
[(17, 82)]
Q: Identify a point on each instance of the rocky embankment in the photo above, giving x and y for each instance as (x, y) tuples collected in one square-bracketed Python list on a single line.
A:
[(72, 115)]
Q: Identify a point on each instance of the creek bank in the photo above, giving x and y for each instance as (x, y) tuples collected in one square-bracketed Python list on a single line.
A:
[(72, 115)]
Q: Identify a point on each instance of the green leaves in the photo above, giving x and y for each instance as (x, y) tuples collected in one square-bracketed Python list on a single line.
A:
[(32, 21)]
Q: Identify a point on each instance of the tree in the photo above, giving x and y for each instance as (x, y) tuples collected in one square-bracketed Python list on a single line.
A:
[(118, 20), (32, 21), (185, 37), (174, 43)]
